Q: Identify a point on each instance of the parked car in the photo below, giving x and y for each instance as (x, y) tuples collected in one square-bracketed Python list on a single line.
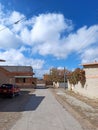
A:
[(9, 90)]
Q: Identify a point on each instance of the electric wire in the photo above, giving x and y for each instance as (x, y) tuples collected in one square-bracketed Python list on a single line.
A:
[(22, 19)]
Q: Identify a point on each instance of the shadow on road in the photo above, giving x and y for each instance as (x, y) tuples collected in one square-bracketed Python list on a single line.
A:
[(27, 101), (34, 102)]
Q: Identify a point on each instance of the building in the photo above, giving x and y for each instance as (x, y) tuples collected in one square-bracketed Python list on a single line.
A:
[(90, 88), (20, 75)]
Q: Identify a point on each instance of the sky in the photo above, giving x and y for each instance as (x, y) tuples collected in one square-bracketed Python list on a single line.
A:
[(48, 33)]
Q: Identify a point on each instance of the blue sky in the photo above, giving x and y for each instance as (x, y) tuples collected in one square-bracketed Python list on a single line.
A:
[(53, 33)]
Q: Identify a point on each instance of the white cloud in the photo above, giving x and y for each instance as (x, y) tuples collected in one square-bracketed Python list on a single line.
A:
[(45, 34), (8, 39), (15, 57), (47, 27), (15, 17), (83, 38), (75, 42), (3, 17), (25, 36), (90, 55)]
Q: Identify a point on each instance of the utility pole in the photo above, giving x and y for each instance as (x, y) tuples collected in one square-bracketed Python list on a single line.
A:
[(64, 78)]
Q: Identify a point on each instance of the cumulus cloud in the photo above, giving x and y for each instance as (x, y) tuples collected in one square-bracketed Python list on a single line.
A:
[(16, 57), (25, 36), (77, 42), (83, 38), (47, 27), (15, 17), (45, 34), (8, 39), (47, 39), (91, 54)]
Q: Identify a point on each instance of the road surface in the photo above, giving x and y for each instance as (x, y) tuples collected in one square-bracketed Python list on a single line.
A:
[(43, 112)]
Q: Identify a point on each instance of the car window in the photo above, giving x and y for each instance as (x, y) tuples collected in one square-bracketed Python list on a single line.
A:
[(6, 86)]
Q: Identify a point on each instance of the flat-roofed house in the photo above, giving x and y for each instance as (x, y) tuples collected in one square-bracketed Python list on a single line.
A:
[(20, 75), (90, 88)]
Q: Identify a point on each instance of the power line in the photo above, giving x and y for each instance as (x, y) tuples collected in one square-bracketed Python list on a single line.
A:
[(20, 20)]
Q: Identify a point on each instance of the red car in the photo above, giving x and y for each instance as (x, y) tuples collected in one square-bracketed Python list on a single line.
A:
[(9, 90)]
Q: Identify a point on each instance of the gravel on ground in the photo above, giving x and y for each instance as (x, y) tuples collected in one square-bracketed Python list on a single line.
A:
[(85, 109)]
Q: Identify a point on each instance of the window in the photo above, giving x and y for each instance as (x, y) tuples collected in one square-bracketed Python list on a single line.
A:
[(24, 80), (20, 80)]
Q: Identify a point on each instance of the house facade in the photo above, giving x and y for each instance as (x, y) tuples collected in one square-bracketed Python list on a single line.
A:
[(90, 88), (20, 75)]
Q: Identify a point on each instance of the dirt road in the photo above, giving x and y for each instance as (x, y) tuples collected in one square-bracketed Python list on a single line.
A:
[(82, 108), (43, 112), (46, 109)]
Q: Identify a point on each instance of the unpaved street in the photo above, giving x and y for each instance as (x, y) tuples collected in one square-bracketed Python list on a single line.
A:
[(43, 112)]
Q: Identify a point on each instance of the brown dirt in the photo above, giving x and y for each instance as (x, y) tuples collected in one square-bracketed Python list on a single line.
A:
[(92, 117), (11, 109), (86, 122), (91, 102)]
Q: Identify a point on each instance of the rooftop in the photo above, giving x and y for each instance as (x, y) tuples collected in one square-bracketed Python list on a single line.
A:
[(18, 68), (90, 64)]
